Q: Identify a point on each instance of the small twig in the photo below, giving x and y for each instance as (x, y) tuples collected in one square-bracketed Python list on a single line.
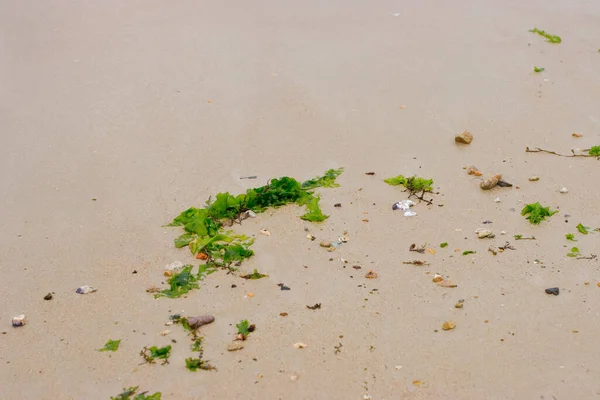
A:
[(591, 257), (415, 262), (420, 197), (539, 150), (519, 237), (508, 246), (338, 348)]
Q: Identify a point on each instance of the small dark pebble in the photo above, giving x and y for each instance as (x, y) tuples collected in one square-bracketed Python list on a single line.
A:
[(134, 271), (283, 287), (48, 296), (370, 173), (252, 328), (356, 266), (553, 290), (337, 205), (233, 286)]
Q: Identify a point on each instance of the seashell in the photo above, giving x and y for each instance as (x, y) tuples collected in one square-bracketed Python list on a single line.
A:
[(325, 243), (564, 190), (197, 322), (449, 325), (490, 182), (85, 289), (465, 137), (484, 233), (19, 320), (472, 170), (300, 345)]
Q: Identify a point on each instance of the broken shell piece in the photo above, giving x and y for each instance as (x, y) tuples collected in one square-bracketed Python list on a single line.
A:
[(484, 233), (197, 322), (403, 205), (490, 182), (325, 243), (371, 274), (165, 332), (472, 170), (85, 289), (265, 232), (300, 345), (497, 200), (564, 190), (448, 284), (294, 377), (437, 278), (343, 239), (465, 137), (235, 346), (248, 214), (310, 237), (449, 325), (19, 320), (534, 178)]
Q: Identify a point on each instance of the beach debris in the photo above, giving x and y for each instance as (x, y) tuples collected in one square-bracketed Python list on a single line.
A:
[(235, 346), (184, 281), (570, 236), (244, 328), (403, 205), (538, 69), (492, 250), (464, 137), (521, 237), (576, 135), (325, 243), (413, 247), (300, 345), (85, 289), (416, 262), (151, 354), (249, 177), (448, 325), (173, 268), (467, 252), (153, 289), (165, 332), (554, 290), (497, 200), (416, 186), (194, 364), (255, 275), (111, 345), (130, 391), (594, 151), (283, 287), (564, 190), (410, 213), (534, 178), (445, 244), (472, 170), (265, 232), (317, 306), (294, 377), (502, 183), (343, 239), (459, 304), (549, 38), (371, 274), (338, 348), (484, 233), (356, 267), (574, 252), (507, 246), (537, 213), (48, 296), (590, 257), (19, 321), (370, 173), (447, 283), (490, 183), (437, 278), (283, 314), (337, 205), (197, 322), (201, 256)]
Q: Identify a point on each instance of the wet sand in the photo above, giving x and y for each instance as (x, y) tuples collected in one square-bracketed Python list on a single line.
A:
[(150, 107)]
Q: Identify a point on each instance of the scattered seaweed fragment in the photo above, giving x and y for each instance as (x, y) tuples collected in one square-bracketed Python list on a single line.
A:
[(194, 364), (184, 281), (571, 237), (111, 345), (415, 185), (415, 262), (150, 354), (244, 329), (467, 252), (549, 38), (255, 275), (574, 252), (537, 213), (131, 391), (594, 151), (317, 306), (521, 237), (582, 229), (205, 227), (538, 69)]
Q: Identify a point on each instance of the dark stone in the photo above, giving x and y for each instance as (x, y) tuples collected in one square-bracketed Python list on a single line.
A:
[(553, 290)]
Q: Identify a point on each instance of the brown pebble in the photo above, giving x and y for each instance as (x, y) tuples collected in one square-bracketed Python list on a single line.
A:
[(458, 305), (371, 275), (235, 346), (449, 325), (465, 137), (325, 243), (197, 322), (48, 296), (490, 183)]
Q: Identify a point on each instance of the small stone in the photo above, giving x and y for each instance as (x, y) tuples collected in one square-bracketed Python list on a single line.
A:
[(437, 278), (555, 291), (294, 377), (458, 305), (371, 274), (534, 178), (300, 345), (310, 237), (465, 137), (497, 200), (447, 283), (564, 190), (235, 346), (48, 296), (484, 233), (490, 183), (472, 170), (449, 325), (325, 243), (265, 232), (197, 322), (85, 289)]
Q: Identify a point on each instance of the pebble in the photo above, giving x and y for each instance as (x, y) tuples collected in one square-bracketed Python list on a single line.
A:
[(564, 190), (197, 322), (490, 182), (449, 325), (459, 305), (265, 232), (484, 233), (85, 289), (534, 178), (465, 137), (497, 200), (325, 243), (48, 296), (555, 291), (300, 345), (235, 346), (19, 320)]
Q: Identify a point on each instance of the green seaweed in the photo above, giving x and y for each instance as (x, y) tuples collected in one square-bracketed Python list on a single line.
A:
[(131, 391), (594, 151), (326, 181), (571, 237), (254, 275), (184, 281), (194, 364), (582, 229), (574, 252), (111, 345), (537, 213), (243, 327), (150, 354), (549, 38), (467, 252), (538, 69), (442, 245), (414, 184)]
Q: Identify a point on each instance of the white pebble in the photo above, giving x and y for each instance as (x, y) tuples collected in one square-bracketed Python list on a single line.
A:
[(564, 190)]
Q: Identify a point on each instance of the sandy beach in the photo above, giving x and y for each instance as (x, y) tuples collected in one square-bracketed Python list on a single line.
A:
[(117, 116)]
